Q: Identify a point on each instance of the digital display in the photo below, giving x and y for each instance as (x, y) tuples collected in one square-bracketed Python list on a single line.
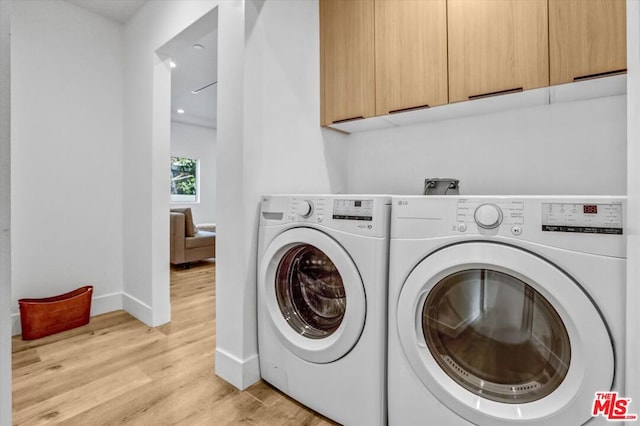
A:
[(358, 203), (590, 209)]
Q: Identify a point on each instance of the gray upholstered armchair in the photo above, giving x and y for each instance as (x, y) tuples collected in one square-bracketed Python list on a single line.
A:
[(188, 244)]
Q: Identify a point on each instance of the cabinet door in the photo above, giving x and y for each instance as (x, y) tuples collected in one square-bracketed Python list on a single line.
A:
[(410, 54), (587, 38), (347, 60), (497, 46)]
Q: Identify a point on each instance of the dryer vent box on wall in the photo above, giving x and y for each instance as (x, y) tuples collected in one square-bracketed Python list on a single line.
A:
[(441, 186)]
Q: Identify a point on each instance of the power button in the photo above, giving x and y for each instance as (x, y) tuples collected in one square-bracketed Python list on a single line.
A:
[(462, 227), (516, 230)]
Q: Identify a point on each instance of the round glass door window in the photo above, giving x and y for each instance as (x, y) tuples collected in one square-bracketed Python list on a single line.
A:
[(496, 336), (310, 292)]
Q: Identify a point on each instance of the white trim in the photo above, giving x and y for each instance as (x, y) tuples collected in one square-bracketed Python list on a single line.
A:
[(186, 198), (5, 212), (160, 303), (106, 303), (240, 373), (140, 310), (16, 329)]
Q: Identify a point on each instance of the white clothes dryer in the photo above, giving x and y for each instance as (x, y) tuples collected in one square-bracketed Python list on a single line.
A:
[(505, 310), (322, 302)]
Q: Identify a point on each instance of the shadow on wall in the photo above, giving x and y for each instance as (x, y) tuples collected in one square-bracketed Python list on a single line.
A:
[(576, 148), (335, 150)]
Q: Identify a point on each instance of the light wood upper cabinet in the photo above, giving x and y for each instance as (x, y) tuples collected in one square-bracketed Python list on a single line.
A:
[(588, 37), (384, 56), (347, 59), (410, 54), (497, 46)]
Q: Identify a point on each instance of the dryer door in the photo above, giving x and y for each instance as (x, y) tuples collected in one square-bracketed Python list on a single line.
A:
[(501, 336), (314, 294)]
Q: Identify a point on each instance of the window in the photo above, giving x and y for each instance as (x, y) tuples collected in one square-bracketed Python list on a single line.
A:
[(184, 180)]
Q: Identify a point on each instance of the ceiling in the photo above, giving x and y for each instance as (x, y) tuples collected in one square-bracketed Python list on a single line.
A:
[(119, 11), (194, 69)]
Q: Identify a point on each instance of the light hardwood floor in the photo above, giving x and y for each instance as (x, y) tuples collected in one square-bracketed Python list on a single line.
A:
[(116, 370)]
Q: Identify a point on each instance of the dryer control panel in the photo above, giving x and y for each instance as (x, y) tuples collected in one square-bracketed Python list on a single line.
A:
[(595, 218), (471, 210), (593, 224)]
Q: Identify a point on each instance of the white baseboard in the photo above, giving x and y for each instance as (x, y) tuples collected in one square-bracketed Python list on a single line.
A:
[(140, 310), (99, 305), (240, 373), (106, 303), (16, 328)]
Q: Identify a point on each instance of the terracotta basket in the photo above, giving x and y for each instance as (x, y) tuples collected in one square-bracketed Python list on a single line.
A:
[(50, 315)]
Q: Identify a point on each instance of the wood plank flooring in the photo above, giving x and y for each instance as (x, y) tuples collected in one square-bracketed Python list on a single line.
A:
[(116, 370)]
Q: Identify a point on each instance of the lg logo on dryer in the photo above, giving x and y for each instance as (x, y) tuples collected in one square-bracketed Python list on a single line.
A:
[(611, 407)]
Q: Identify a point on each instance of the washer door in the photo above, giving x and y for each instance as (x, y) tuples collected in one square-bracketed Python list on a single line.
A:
[(499, 335), (313, 293)]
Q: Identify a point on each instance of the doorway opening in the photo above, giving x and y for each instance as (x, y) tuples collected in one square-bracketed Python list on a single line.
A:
[(186, 87)]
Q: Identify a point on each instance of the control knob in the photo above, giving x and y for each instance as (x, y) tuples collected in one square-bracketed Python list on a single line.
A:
[(305, 208), (488, 216)]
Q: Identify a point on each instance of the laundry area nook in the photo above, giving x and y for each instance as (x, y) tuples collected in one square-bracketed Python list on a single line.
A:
[(320, 212)]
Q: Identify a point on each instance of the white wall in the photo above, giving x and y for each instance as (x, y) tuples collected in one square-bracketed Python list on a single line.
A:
[(269, 140), (66, 153), (146, 152), (288, 147), (5, 214), (284, 150), (198, 142), (566, 148), (633, 211)]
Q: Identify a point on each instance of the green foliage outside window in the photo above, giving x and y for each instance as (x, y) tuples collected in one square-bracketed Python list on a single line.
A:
[(183, 176)]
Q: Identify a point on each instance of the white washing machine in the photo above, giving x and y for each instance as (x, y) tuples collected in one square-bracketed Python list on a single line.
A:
[(505, 310), (322, 302)]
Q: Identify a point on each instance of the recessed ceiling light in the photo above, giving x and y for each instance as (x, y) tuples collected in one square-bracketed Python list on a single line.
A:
[(172, 64), (198, 46), (180, 111)]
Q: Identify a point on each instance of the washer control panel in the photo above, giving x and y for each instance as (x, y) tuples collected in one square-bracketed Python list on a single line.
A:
[(305, 208), (596, 218), (318, 209), (366, 214), (343, 209), (353, 209)]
